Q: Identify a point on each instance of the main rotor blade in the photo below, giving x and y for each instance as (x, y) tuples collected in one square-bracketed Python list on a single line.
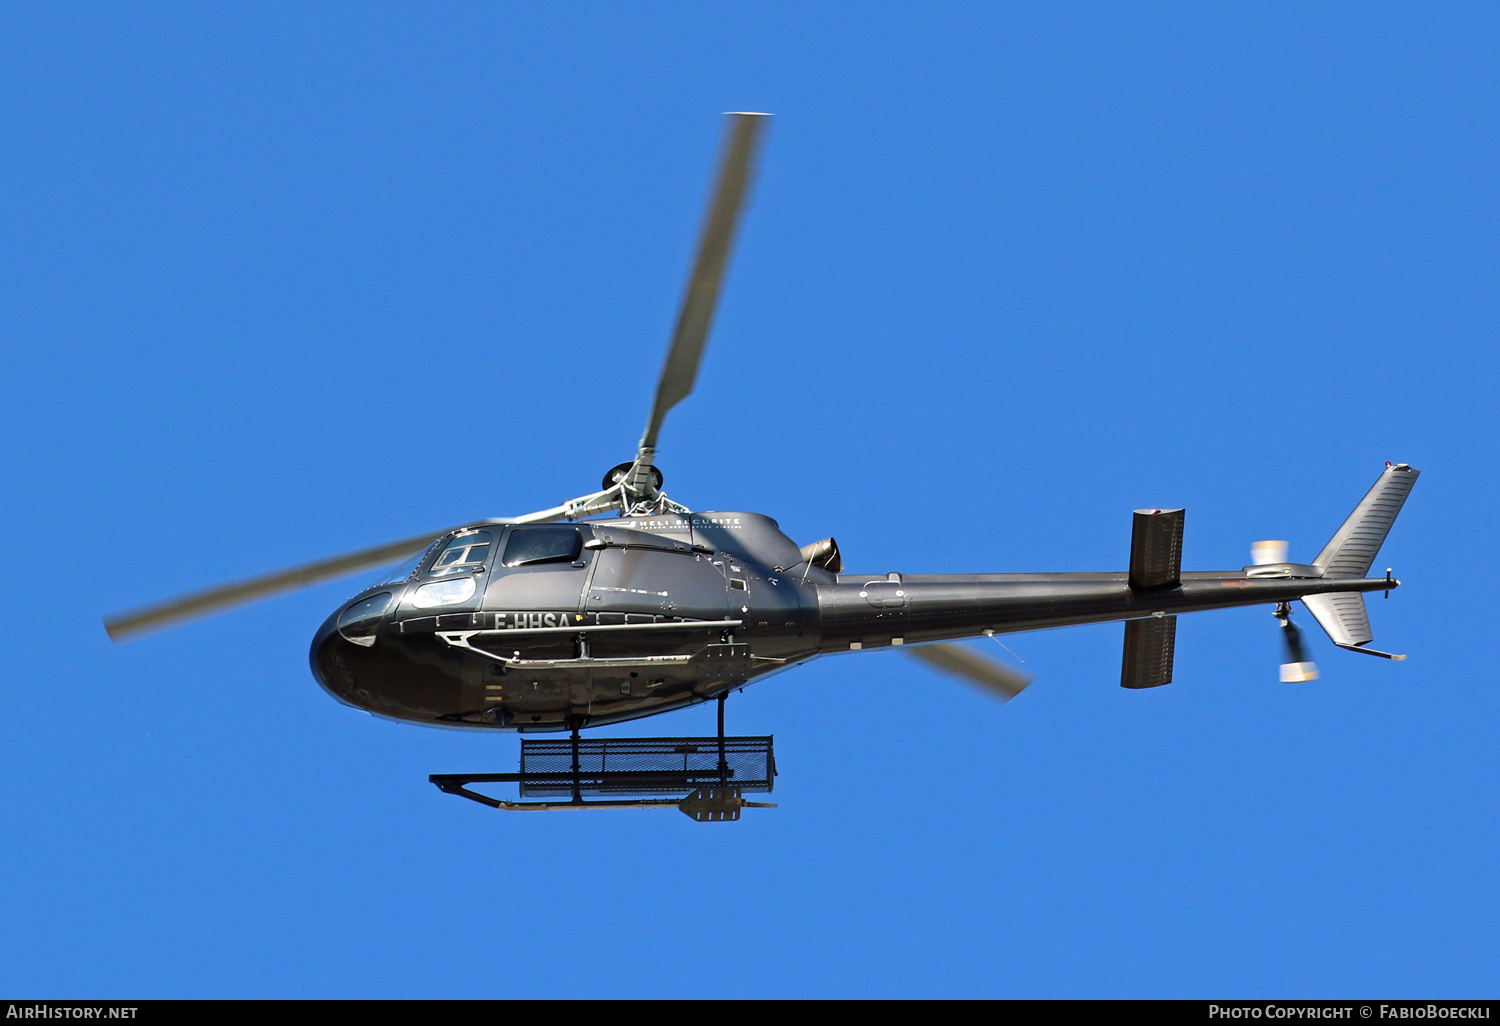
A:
[(996, 678), (198, 603), (139, 621), (736, 168)]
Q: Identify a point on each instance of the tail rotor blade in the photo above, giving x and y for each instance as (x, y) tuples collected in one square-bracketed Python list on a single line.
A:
[(736, 169), (996, 679), (1296, 668)]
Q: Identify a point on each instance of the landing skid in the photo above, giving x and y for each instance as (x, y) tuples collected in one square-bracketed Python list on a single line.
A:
[(706, 804), (706, 778)]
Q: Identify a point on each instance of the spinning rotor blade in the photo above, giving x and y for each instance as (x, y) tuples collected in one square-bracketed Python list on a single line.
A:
[(164, 614), (996, 678), (211, 600), (1296, 667), (736, 168)]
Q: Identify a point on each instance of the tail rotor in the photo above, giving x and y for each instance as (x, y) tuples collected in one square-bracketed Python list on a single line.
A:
[(1296, 667)]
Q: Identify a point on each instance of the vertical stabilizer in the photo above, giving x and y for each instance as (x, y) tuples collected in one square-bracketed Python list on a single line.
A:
[(1353, 548), (1351, 552), (1343, 616)]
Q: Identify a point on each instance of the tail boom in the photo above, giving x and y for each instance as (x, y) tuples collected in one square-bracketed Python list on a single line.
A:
[(946, 607)]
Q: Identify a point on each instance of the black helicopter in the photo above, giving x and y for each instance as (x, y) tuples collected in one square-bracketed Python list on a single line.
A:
[(564, 619)]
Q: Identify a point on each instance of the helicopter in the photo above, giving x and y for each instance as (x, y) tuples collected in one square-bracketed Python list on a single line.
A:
[(624, 603)]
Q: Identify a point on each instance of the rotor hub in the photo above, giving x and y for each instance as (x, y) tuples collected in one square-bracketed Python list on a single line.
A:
[(617, 474)]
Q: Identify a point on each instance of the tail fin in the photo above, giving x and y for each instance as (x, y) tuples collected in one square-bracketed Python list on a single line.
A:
[(1346, 620), (1352, 549), (1351, 552)]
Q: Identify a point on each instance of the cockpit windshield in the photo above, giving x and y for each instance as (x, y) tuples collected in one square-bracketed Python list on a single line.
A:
[(463, 554), (406, 569)]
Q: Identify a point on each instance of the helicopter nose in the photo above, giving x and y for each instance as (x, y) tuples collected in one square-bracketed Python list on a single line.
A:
[(328, 658), (318, 656)]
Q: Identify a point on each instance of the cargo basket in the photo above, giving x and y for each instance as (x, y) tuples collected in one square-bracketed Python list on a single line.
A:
[(644, 766)]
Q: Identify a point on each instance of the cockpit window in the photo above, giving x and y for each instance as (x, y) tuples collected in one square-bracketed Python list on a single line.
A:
[(531, 545), (463, 554)]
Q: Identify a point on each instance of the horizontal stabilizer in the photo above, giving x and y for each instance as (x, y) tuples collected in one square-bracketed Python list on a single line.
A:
[(1149, 645), (1156, 548)]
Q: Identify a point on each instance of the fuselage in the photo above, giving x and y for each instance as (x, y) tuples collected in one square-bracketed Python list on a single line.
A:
[(543, 628)]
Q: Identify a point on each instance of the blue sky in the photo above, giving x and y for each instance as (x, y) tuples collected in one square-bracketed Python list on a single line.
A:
[(277, 283)]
